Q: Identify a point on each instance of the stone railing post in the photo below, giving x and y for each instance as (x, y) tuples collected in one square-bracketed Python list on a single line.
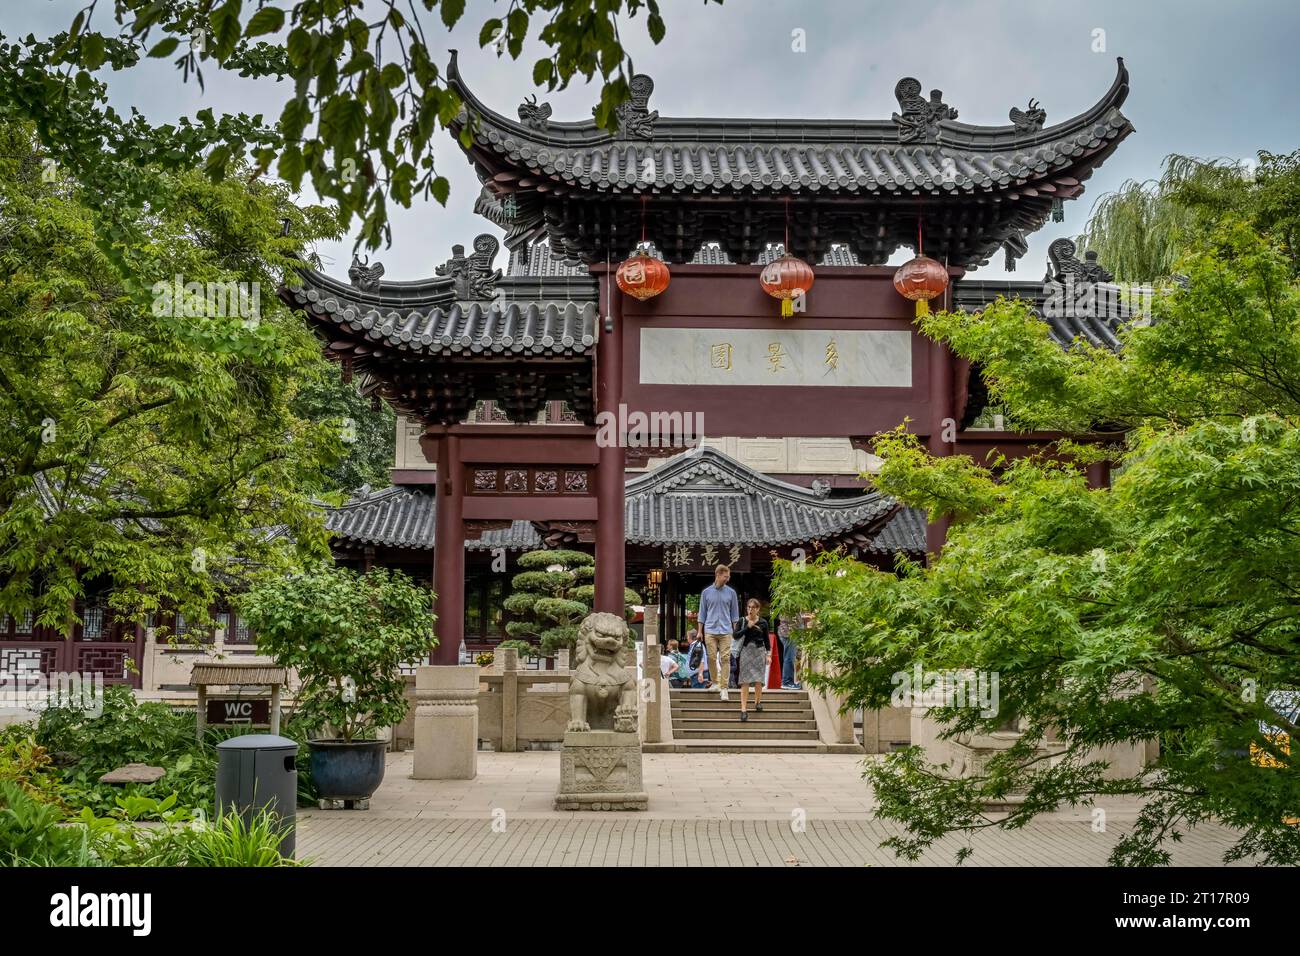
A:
[(834, 724), (509, 699), (446, 722), (651, 690)]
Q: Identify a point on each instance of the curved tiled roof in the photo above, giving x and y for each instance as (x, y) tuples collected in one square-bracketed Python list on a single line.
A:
[(434, 325), (705, 155), (1099, 327), (704, 495), (905, 532), (699, 496), (403, 517)]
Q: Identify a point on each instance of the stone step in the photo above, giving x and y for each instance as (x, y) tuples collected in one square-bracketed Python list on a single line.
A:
[(733, 707), (713, 745), (700, 691), (758, 723), (740, 731)]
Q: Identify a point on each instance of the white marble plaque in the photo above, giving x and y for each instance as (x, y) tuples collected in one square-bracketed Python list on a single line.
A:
[(874, 358)]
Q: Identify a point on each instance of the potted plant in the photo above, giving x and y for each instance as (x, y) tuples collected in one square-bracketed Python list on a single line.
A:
[(347, 635)]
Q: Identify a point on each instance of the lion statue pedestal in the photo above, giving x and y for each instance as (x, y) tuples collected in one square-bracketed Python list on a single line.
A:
[(600, 765)]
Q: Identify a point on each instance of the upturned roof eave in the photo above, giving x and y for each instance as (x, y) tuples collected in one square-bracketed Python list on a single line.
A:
[(703, 131)]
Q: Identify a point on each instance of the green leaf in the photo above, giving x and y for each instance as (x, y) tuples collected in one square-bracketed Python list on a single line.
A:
[(489, 31), (265, 20), (92, 51), (165, 47), (452, 11), (441, 189)]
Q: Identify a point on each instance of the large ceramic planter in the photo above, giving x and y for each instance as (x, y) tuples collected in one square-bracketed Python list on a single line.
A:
[(347, 770)]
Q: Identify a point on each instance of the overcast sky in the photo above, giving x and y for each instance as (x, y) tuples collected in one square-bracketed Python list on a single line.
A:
[(1209, 78)]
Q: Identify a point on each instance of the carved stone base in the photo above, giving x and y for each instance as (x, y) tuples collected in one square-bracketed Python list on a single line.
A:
[(601, 770)]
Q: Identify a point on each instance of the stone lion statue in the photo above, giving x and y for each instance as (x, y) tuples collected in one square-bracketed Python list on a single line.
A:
[(602, 694)]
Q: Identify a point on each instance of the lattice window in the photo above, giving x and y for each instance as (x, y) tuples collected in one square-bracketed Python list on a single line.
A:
[(16, 660), (111, 662), (20, 628), (239, 632)]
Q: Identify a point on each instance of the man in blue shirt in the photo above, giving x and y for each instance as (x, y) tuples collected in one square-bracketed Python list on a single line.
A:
[(719, 619)]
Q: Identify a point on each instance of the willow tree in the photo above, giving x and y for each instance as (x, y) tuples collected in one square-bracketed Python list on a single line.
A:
[(1142, 229)]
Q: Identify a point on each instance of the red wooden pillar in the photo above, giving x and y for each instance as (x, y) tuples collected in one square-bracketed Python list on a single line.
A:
[(1098, 474), (611, 462), (449, 553), (943, 429)]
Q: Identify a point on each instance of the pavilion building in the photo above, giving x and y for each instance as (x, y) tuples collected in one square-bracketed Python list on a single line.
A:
[(502, 376)]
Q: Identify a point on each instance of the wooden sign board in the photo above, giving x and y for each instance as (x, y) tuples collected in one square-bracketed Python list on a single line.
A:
[(703, 558), (852, 363), (255, 711)]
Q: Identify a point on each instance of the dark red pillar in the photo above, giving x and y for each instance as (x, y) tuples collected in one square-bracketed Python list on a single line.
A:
[(1098, 474), (449, 553), (611, 462), (943, 428)]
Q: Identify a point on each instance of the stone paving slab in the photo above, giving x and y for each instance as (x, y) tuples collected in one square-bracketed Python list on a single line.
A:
[(580, 841), (705, 810)]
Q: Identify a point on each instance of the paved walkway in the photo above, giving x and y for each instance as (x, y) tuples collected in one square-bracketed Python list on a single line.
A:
[(705, 809)]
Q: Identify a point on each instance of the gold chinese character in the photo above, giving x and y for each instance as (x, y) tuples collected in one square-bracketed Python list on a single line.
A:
[(733, 554), (710, 554), (774, 355), (682, 555), (720, 356), (832, 355)]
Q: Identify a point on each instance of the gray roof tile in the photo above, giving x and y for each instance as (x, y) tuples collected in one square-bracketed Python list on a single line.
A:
[(706, 496), (440, 326), (701, 496)]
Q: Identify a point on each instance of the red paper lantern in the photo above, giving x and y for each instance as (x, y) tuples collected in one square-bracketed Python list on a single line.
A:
[(786, 279), (641, 275), (920, 280)]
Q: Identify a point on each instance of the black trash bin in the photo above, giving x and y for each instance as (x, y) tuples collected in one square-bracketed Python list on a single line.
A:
[(256, 772)]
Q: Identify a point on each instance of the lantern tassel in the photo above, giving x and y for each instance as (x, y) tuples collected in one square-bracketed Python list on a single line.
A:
[(787, 308), (922, 308)]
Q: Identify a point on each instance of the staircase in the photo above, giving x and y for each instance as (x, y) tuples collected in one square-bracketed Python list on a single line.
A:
[(704, 723)]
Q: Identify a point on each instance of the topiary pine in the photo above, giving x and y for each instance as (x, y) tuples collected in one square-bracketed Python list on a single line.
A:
[(551, 596)]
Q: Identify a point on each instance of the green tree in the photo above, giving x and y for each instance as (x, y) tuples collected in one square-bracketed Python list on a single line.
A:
[(552, 595), (348, 635), (361, 99), (1166, 608), (366, 428), (150, 439), (1142, 229)]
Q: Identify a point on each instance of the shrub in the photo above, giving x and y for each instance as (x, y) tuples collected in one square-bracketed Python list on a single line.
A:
[(550, 597), (348, 635), (127, 731), (28, 764)]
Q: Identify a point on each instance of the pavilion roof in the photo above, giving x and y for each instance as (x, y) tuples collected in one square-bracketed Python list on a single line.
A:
[(426, 318), (1077, 299), (705, 496), (977, 187), (699, 497), (403, 517)]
